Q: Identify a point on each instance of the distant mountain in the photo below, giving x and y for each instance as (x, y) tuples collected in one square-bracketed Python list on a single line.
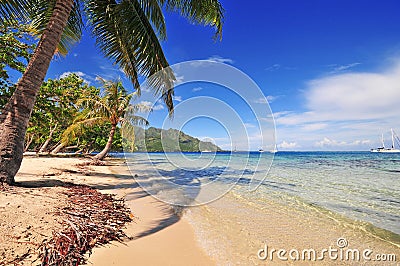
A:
[(171, 140)]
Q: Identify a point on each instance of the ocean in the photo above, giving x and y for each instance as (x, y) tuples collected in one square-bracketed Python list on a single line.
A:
[(360, 189)]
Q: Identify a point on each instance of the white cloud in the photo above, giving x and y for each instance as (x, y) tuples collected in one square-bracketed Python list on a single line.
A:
[(219, 59), (276, 67), (158, 107), (287, 145), (249, 125), (330, 143), (155, 107), (146, 103), (273, 67), (271, 98), (282, 113), (261, 100), (314, 126), (346, 111), (197, 89), (350, 97), (266, 99), (177, 98), (80, 74), (338, 68), (179, 80)]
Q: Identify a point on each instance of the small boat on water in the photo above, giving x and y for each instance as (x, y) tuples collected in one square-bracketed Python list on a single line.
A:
[(392, 149), (274, 150)]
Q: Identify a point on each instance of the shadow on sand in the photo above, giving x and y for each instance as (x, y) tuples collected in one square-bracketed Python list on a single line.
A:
[(171, 214)]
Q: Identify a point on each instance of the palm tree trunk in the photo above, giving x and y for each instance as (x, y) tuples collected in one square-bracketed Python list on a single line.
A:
[(46, 143), (57, 149), (15, 116), (104, 152), (30, 139)]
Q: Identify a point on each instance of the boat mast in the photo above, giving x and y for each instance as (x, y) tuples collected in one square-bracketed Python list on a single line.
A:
[(392, 138), (383, 142)]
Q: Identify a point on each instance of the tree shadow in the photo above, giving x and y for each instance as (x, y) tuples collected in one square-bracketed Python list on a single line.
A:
[(43, 183), (171, 214), (167, 182)]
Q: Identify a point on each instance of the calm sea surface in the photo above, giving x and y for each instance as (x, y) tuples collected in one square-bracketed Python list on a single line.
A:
[(360, 186)]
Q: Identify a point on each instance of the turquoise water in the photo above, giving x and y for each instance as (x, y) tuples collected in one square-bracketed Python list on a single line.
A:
[(361, 186), (358, 185)]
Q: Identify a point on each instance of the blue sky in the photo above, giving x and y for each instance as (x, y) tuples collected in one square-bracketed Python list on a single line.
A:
[(330, 69)]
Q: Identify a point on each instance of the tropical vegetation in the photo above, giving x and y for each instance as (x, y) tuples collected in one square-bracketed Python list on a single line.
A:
[(126, 31), (55, 109), (113, 107), (16, 47)]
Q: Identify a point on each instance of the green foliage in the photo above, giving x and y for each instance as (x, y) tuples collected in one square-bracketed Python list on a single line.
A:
[(171, 140), (56, 108), (94, 138), (16, 48), (126, 31), (99, 112)]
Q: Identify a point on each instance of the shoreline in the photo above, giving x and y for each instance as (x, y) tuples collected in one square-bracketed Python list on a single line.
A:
[(279, 227), (155, 226), (160, 235), (216, 234)]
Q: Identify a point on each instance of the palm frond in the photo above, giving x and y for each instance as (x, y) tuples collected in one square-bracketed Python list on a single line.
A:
[(41, 13), (11, 10), (205, 12), (134, 120), (73, 31), (136, 108), (153, 11), (125, 35), (79, 127), (93, 106)]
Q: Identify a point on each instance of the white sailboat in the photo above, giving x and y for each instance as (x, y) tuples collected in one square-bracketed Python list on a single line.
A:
[(392, 149), (273, 150)]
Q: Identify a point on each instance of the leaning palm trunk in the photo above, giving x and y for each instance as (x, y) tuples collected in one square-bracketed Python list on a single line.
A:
[(15, 116), (28, 143), (57, 149), (104, 152), (46, 143)]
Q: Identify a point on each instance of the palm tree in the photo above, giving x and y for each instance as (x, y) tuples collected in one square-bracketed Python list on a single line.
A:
[(126, 31), (112, 107)]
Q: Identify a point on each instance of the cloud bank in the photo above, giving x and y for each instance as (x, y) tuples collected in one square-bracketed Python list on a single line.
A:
[(352, 108)]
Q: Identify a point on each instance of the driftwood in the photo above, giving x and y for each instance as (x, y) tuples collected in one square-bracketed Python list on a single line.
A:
[(91, 219)]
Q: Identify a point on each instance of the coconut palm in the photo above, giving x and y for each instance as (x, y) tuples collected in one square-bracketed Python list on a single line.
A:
[(112, 107), (126, 31)]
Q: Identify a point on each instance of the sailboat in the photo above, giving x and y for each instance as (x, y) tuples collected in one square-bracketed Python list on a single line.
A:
[(393, 149), (274, 150)]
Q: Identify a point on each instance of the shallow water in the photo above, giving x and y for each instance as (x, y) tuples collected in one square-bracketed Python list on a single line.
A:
[(359, 186)]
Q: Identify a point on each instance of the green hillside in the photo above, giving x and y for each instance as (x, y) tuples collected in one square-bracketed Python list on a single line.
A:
[(171, 140)]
